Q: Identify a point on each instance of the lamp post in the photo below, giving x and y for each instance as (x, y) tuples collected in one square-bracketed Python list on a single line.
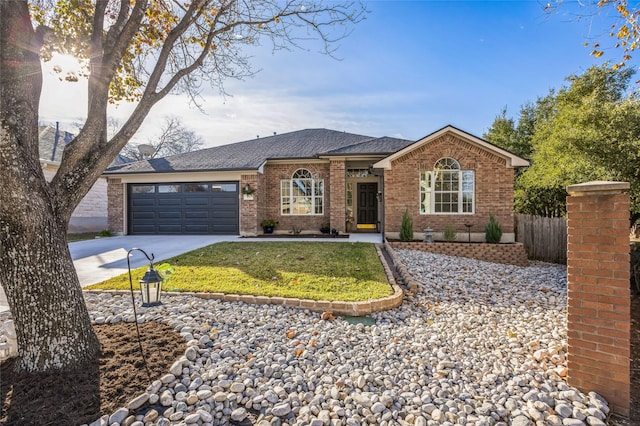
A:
[(151, 282)]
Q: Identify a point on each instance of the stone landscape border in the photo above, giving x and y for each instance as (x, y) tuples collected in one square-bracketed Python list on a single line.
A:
[(340, 308)]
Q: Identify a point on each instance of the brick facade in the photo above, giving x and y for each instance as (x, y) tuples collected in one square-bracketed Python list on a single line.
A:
[(338, 200), (249, 225), (493, 188), (598, 312), (270, 202), (115, 199)]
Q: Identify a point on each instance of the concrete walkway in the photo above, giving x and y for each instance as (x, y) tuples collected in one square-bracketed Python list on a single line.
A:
[(100, 259)]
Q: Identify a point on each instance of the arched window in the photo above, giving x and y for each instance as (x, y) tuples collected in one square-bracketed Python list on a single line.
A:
[(447, 188), (302, 194)]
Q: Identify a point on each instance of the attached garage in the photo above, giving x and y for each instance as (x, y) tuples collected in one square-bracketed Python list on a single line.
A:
[(197, 208)]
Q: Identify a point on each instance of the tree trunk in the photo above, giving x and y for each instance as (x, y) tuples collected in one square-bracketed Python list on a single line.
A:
[(52, 323), (36, 271)]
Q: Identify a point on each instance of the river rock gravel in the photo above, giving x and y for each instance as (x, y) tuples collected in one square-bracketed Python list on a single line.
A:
[(477, 344)]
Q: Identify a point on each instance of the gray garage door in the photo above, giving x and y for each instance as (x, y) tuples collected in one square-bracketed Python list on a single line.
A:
[(184, 208)]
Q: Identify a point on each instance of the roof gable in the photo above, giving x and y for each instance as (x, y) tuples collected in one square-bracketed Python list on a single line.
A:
[(511, 159)]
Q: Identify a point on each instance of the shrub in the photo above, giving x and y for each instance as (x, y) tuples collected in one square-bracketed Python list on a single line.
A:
[(406, 230), (105, 233), (493, 231), (449, 233)]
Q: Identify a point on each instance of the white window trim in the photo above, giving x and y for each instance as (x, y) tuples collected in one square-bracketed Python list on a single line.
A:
[(291, 197), (430, 191)]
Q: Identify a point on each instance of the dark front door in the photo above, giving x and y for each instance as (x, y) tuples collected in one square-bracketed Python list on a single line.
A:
[(367, 205)]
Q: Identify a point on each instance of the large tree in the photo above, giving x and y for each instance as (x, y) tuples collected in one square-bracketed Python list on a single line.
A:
[(588, 130), (136, 50)]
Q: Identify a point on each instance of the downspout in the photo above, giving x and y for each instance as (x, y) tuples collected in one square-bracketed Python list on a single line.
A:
[(55, 141)]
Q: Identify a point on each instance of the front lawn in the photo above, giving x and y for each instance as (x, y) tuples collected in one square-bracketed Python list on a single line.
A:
[(306, 270)]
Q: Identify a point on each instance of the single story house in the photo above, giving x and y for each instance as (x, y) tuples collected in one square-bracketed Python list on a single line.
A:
[(91, 214), (308, 178)]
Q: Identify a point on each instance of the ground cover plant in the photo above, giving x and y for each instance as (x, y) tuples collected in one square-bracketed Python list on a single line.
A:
[(306, 270)]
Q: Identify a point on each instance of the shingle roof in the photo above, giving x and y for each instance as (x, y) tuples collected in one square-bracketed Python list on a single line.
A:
[(50, 146), (251, 154), (384, 145)]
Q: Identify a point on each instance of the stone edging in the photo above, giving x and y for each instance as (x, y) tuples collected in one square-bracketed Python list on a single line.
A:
[(400, 268), (337, 308)]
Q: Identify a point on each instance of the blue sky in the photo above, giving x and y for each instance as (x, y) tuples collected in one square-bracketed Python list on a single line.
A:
[(410, 68)]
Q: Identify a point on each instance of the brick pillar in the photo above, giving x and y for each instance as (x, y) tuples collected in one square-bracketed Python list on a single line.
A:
[(249, 206), (337, 195), (115, 206), (598, 312)]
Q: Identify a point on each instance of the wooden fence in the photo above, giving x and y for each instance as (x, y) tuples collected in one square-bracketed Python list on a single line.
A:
[(544, 238)]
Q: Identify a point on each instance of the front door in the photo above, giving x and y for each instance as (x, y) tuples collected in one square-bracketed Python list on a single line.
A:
[(367, 206)]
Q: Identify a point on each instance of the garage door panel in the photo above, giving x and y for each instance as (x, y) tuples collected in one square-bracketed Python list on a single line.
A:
[(170, 215), (143, 201), (166, 228), (169, 201), (196, 229), (144, 215), (144, 229), (197, 201), (183, 211), (198, 214)]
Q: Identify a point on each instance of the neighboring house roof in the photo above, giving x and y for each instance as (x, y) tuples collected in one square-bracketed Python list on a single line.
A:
[(252, 154), (512, 159), (52, 141)]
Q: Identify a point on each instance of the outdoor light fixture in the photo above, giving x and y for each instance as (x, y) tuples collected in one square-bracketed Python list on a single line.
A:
[(151, 282), (247, 188), (428, 235), (469, 225)]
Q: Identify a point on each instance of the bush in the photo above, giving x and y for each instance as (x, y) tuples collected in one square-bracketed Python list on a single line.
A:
[(449, 233), (406, 230), (105, 233), (493, 231)]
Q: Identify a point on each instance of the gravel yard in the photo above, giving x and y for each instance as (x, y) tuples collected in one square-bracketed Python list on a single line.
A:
[(478, 344)]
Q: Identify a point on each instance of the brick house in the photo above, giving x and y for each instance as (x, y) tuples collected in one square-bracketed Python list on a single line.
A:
[(312, 177)]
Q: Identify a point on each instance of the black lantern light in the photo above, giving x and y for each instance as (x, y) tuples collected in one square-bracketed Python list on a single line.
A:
[(151, 282)]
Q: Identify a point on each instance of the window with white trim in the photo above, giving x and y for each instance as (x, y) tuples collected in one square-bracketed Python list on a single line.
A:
[(447, 189), (302, 194)]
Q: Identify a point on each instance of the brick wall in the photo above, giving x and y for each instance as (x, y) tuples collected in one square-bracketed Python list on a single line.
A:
[(270, 204), (598, 312), (115, 209), (493, 187), (338, 200), (249, 225), (511, 254)]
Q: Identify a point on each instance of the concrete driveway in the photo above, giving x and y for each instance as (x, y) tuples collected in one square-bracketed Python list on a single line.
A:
[(103, 258)]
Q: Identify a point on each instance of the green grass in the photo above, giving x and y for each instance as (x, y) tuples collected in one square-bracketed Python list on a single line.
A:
[(306, 270), (71, 238), (82, 236)]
